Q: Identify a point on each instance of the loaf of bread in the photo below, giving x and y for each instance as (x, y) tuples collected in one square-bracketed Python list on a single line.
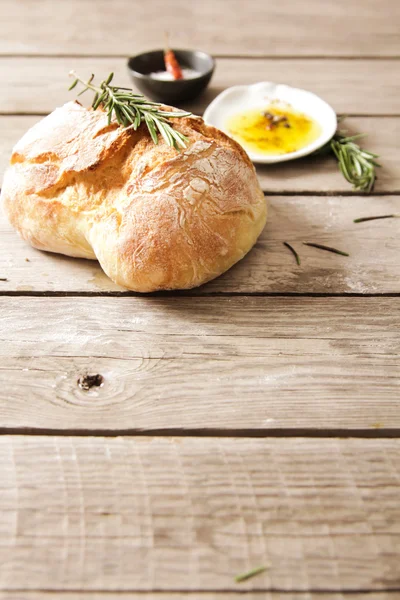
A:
[(155, 218)]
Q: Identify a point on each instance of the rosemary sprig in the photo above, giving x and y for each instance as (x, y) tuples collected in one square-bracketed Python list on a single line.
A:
[(249, 574), (328, 248), (356, 165), (363, 219), (293, 251), (130, 110)]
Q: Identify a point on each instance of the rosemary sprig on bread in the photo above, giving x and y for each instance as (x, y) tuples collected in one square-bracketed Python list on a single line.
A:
[(130, 110)]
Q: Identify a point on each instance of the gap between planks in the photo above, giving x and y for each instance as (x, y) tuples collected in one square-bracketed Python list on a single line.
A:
[(327, 193), (190, 294), (254, 594), (207, 433), (294, 57)]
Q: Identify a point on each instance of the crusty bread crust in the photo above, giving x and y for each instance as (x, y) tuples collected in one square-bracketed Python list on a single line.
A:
[(155, 218)]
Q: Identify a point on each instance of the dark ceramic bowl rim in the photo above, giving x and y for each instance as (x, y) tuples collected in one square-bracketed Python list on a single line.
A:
[(173, 81)]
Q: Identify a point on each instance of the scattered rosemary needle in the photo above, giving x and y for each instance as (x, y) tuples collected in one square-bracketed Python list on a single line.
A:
[(356, 165), (363, 219), (328, 248), (130, 110), (293, 251), (249, 574)]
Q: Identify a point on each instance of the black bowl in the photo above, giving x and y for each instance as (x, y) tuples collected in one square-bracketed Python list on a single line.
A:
[(171, 92)]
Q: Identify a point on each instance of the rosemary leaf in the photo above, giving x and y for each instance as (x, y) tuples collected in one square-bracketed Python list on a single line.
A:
[(117, 112), (74, 84), (137, 120), (351, 138), (176, 114), (249, 574), (164, 131), (328, 248), (363, 219), (151, 128), (96, 100), (127, 114), (293, 251), (130, 110), (179, 137)]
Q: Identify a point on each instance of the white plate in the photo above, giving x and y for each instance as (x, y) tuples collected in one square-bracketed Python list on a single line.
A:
[(242, 97)]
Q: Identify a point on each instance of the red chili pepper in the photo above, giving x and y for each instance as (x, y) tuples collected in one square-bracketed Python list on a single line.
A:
[(171, 64)]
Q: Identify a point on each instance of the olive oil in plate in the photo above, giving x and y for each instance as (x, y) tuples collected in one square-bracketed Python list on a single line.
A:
[(274, 130)]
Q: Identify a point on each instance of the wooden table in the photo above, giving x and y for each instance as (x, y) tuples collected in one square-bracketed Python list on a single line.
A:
[(254, 421)]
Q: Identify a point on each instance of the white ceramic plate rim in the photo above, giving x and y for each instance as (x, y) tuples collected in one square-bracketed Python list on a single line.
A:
[(240, 97)]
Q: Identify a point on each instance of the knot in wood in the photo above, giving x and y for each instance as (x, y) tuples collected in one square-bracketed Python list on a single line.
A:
[(86, 382)]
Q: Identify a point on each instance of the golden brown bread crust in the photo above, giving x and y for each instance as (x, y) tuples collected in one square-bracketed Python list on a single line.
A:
[(155, 218)]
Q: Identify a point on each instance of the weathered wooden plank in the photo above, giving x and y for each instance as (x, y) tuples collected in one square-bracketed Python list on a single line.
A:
[(312, 174), (132, 514), (287, 28), (372, 267), (39, 84), (263, 363)]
